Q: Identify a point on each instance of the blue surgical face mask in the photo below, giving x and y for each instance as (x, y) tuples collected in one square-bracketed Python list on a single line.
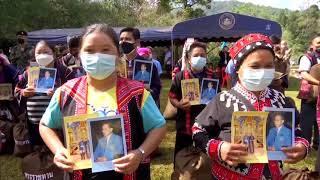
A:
[(257, 79), (198, 62), (98, 65)]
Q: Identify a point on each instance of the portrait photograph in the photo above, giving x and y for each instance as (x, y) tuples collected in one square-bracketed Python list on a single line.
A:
[(46, 80), (249, 128), (107, 141), (122, 68), (78, 71), (191, 91), (33, 76), (280, 131), (77, 140), (209, 89), (6, 91), (142, 71)]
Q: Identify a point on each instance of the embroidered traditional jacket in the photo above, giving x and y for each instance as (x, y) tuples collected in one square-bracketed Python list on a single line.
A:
[(185, 119), (129, 98), (213, 125)]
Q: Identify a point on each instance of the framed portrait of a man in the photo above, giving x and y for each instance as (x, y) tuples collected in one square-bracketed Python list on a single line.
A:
[(46, 80), (142, 71), (6, 91), (107, 141), (78, 71), (280, 131), (209, 89)]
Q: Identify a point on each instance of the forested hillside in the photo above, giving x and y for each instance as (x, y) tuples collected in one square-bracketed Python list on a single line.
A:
[(298, 26)]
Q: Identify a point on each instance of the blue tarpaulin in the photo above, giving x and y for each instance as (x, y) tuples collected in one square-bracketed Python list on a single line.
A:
[(219, 27), (224, 26), (60, 36)]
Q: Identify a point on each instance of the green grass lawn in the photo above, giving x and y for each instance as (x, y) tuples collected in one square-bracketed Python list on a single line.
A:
[(161, 165)]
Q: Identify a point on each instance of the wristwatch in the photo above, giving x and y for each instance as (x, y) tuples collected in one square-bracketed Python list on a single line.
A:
[(142, 152)]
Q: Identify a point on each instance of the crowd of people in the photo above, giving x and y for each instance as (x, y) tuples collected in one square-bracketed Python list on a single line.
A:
[(89, 80)]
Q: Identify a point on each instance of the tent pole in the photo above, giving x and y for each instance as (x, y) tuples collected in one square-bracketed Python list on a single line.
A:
[(173, 55)]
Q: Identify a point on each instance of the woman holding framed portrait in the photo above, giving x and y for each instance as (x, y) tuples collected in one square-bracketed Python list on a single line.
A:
[(212, 129), (186, 109), (102, 91), (32, 101)]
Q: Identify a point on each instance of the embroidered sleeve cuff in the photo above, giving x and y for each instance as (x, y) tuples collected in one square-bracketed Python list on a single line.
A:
[(196, 128), (213, 148), (304, 142)]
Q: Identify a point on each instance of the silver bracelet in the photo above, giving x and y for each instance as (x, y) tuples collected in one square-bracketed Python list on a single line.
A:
[(142, 152)]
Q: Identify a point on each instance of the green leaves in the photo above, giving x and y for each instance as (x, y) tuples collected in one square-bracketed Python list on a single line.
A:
[(41, 14), (299, 27)]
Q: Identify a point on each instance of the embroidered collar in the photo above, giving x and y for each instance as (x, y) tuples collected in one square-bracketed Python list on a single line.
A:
[(249, 95)]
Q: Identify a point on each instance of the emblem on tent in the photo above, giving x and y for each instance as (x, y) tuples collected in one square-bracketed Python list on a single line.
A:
[(268, 27), (227, 21)]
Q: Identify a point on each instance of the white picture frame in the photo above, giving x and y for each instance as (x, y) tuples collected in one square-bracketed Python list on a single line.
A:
[(139, 75), (206, 97), (101, 158), (44, 84), (282, 135)]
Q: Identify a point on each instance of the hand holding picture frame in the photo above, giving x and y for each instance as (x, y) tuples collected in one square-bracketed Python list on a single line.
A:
[(191, 91), (280, 131), (77, 140), (107, 141), (209, 89), (250, 128), (46, 80), (142, 71)]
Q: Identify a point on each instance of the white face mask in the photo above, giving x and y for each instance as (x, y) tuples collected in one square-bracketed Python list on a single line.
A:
[(44, 59), (257, 79), (198, 63)]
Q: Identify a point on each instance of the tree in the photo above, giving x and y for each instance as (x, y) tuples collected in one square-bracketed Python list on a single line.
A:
[(298, 27), (40, 14), (186, 8), (184, 4), (302, 26)]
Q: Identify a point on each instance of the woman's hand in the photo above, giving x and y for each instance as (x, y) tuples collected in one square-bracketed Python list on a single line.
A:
[(184, 105), (28, 92), (62, 161), (295, 153), (50, 92), (233, 153), (147, 87), (129, 163)]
